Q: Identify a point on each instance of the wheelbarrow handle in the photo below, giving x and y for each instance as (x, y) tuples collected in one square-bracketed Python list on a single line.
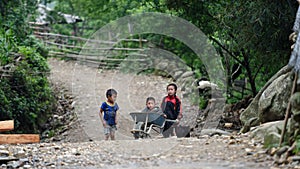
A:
[(174, 121)]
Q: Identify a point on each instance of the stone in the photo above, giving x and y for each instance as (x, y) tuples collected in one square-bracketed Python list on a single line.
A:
[(294, 158), (228, 125), (20, 154), (270, 102), (27, 166), (212, 132), (4, 153), (273, 101), (187, 74), (177, 74), (271, 138), (260, 132), (15, 164), (295, 101), (295, 106), (273, 151), (282, 150)]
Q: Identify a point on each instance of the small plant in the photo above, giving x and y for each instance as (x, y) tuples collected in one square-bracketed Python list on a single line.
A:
[(297, 149)]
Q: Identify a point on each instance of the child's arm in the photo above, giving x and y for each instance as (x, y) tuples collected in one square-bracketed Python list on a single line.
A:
[(116, 117), (162, 107), (180, 113), (179, 117), (102, 117)]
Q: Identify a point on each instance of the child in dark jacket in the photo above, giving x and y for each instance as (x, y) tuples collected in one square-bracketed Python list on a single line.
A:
[(171, 107), (150, 108)]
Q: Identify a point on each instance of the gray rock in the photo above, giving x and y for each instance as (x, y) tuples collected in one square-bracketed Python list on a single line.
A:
[(261, 132), (20, 154), (270, 102), (294, 158), (187, 74), (24, 160), (295, 104), (212, 132), (177, 74), (273, 101), (15, 164), (27, 166), (4, 153), (271, 138), (282, 150)]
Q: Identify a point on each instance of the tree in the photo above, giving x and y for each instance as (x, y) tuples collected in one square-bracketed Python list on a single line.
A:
[(251, 33)]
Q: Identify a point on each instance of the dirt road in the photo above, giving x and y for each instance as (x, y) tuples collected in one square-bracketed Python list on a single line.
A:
[(89, 84)]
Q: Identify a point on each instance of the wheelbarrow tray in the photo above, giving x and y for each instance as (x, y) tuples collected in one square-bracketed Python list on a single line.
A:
[(148, 118)]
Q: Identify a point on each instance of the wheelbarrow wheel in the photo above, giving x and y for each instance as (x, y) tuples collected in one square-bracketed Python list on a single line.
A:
[(136, 135)]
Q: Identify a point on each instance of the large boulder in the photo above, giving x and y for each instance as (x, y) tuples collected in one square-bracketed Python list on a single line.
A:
[(271, 101), (260, 132)]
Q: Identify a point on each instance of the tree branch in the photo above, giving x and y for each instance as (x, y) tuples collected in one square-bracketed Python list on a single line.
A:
[(224, 48), (258, 70)]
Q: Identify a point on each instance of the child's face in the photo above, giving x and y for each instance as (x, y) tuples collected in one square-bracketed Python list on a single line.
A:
[(171, 91), (150, 104), (112, 98)]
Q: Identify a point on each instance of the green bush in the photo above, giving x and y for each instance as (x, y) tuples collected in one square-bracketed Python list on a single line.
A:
[(25, 93)]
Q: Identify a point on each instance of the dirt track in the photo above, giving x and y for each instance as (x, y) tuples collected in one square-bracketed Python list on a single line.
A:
[(88, 85)]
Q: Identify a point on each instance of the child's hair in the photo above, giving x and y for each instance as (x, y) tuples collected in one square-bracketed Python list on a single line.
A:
[(150, 98), (110, 92), (172, 84)]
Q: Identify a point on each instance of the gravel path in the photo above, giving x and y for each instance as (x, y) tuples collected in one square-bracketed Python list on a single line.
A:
[(218, 152)]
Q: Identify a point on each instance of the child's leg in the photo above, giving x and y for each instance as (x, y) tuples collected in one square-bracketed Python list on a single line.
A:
[(112, 136), (106, 132), (106, 136), (173, 131), (112, 132), (167, 129)]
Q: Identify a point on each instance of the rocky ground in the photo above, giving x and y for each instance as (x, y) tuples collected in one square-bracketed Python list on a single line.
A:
[(205, 152), (79, 144)]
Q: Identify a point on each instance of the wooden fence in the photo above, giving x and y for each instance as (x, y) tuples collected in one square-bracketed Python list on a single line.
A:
[(102, 53)]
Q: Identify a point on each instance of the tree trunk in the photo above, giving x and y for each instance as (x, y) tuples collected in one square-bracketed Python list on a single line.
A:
[(249, 74)]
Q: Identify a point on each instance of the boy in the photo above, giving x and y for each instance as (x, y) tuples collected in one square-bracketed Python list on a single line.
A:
[(108, 114), (150, 108), (171, 107)]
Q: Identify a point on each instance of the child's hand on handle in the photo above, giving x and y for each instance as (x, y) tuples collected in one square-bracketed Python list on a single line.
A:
[(177, 121)]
